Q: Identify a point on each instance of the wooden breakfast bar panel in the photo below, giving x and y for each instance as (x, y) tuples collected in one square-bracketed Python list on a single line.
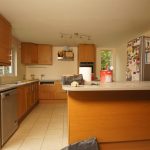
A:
[(118, 119)]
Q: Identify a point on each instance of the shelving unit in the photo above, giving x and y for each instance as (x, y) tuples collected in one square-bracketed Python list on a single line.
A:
[(65, 55)]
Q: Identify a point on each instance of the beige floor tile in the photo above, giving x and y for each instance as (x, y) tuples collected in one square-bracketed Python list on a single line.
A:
[(42, 126), (45, 128), (65, 142), (13, 144), (56, 121), (45, 116), (37, 133), (55, 126), (52, 142), (54, 132), (31, 144)]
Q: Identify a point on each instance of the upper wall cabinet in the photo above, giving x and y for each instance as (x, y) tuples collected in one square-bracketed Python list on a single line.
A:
[(29, 53), (36, 54), (44, 54), (5, 41), (86, 53)]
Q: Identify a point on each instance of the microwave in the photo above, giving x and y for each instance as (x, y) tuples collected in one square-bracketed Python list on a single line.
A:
[(87, 64)]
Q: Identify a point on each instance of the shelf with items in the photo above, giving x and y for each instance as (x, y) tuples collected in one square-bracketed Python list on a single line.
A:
[(147, 57), (147, 50), (135, 43), (65, 55)]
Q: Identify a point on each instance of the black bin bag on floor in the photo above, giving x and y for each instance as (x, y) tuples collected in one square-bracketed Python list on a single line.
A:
[(89, 144)]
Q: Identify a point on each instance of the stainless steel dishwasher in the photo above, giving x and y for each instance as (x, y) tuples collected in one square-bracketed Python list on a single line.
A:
[(9, 122)]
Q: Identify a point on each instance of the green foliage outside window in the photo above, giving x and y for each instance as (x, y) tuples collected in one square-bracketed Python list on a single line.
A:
[(106, 59)]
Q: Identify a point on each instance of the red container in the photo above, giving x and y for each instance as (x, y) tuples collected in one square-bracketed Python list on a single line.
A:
[(92, 76), (105, 76)]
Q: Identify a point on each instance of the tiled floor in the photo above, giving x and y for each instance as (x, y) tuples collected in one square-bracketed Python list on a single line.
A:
[(45, 128)]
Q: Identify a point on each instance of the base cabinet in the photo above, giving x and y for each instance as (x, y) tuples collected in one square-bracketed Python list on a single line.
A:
[(22, 100), (27, 98), (49, 92), (46, 92)]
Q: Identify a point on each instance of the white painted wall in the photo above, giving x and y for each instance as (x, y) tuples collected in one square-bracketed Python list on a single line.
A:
[(121, 61), (56, 70)]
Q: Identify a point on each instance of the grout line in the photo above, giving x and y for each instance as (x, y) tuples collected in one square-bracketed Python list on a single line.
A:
[(47, 129)]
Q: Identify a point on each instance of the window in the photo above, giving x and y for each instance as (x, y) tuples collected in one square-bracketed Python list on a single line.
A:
[(106, 59), (12, 69)]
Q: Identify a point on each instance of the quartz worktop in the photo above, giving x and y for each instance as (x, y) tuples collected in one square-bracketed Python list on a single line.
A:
[(4, 87), (113, 86)]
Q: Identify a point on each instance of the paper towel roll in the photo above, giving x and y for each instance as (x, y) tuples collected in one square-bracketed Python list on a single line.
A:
[(86, 72)]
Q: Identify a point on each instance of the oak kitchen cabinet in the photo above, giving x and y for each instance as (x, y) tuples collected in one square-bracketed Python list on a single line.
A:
[(29, 53), (36, 54), (22, 100), (27, 98), (51, 91), (5, 41), (59, 92), (86, 53), (44, 54), (46, 91)]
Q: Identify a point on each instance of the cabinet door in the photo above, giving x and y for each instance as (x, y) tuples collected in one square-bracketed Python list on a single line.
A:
[(29, 96), (34, 54), (29, 53), (34, 92), (46, 92), (36, 98), (32, 88), (60, 94), (5, 41), (44, 54), (86, 53), (22, 101)]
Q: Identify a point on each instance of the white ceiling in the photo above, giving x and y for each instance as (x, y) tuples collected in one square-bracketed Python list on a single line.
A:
[(108, 22)]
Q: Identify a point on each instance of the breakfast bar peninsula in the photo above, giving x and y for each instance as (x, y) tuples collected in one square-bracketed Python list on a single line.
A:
[(117, 114)]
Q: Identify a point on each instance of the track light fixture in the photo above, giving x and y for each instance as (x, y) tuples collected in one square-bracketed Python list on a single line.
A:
[(75, 35)]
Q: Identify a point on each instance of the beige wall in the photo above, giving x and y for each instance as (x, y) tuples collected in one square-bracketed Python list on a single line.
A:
[(60, 68), (121, 61), (20, 68), (56, 70)]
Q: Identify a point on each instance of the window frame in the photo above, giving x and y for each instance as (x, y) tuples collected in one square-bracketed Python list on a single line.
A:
[(13, 65), (111, 64)]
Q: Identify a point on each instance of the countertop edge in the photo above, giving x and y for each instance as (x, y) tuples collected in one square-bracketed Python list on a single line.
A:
[(114, 86), (15, 85)]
